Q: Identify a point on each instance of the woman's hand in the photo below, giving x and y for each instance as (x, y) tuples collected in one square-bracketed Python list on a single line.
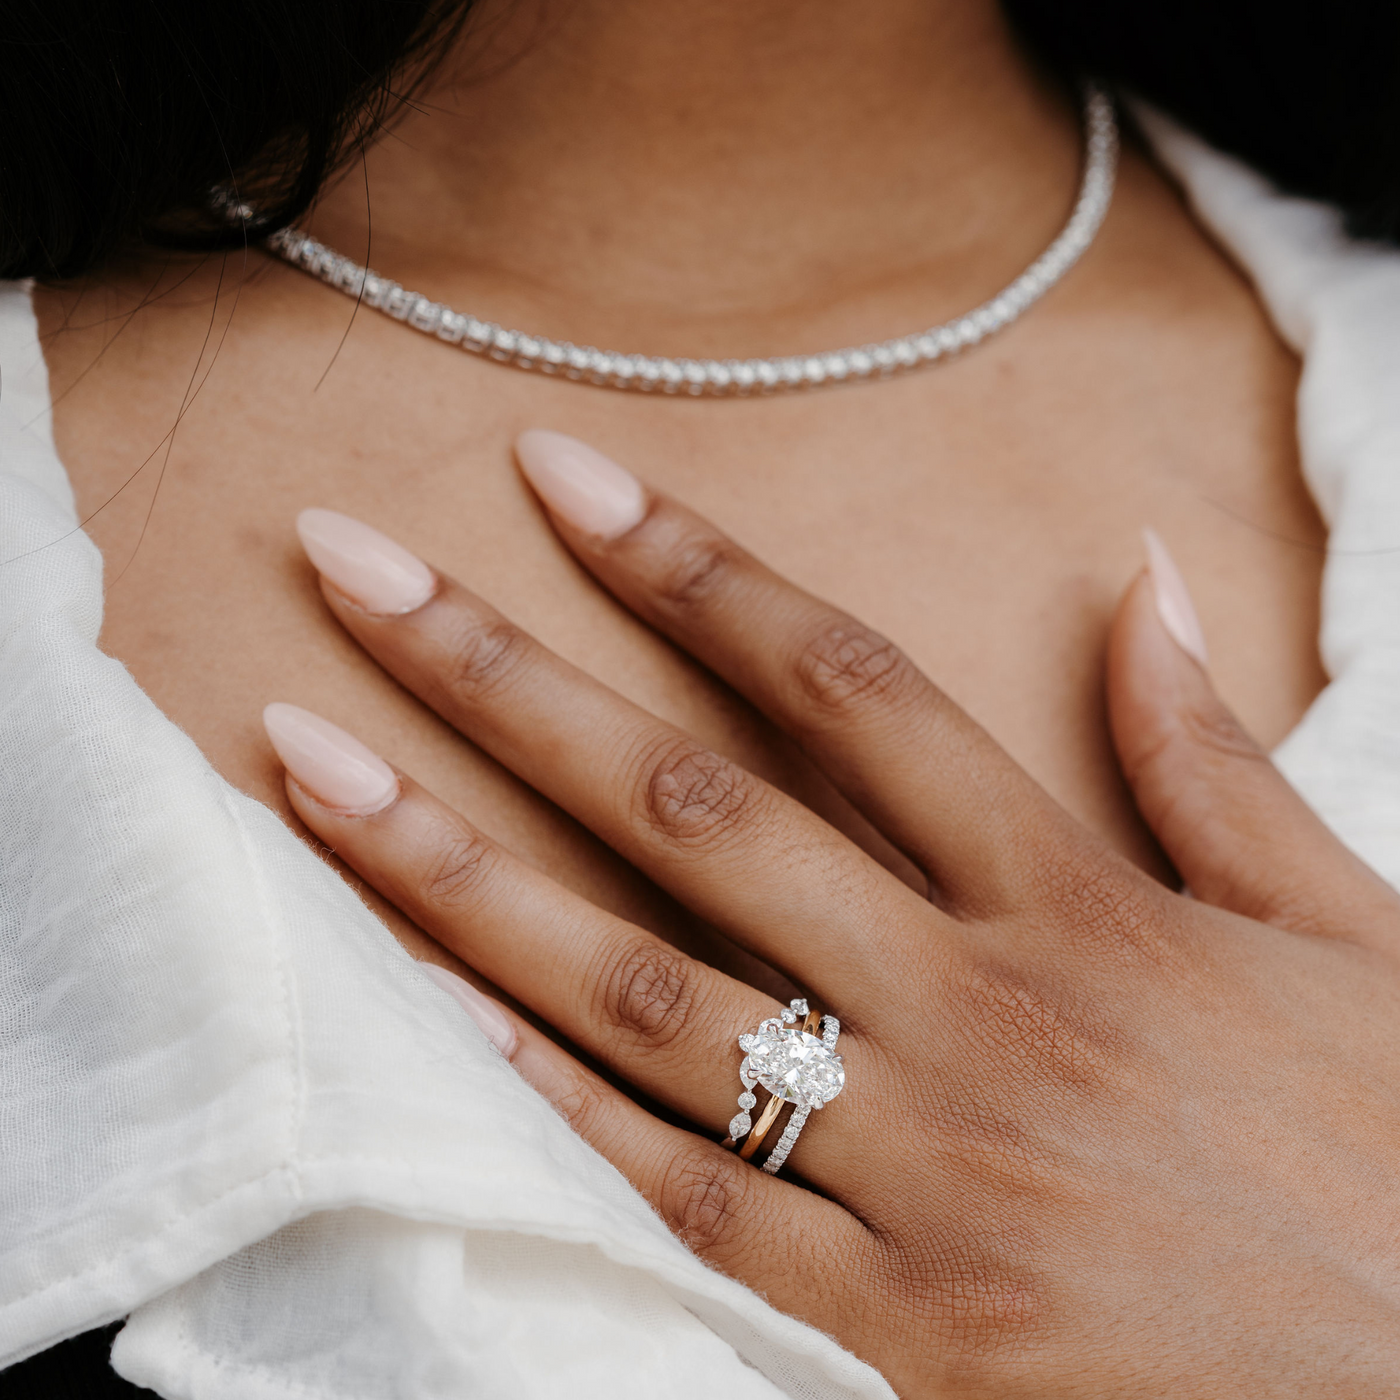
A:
[(1097, 1138)]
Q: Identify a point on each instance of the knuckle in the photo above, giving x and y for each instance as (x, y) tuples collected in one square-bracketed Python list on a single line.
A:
[(483, 657), (702, 1195), (849, 664), (650, 994), (1116, 916), (696, 798), (458, 870), (1191, 736), (985, 1137), (1215, 729), (580, 1102), (696, 568), (1029, 1029), (980, 1303)]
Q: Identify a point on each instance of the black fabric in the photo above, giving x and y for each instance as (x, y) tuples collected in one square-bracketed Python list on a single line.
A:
[(1308, 91), (74, 1370), (121, 119)]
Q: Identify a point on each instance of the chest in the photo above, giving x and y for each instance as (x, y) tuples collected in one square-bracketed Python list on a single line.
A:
[(985, 515)]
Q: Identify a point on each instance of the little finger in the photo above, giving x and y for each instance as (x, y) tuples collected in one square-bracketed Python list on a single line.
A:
[(796, 1248)]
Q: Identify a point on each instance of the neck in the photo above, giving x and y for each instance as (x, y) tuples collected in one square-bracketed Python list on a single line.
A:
[(718, 176)]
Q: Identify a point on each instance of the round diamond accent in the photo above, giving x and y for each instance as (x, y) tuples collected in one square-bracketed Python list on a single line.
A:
[(795, 1066)]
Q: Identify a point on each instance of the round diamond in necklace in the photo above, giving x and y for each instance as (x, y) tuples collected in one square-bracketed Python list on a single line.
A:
[(734, 378), (793, 1065)]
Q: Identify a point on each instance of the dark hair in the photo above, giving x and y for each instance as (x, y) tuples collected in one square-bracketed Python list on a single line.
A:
[(119, 121), (1308, 91)]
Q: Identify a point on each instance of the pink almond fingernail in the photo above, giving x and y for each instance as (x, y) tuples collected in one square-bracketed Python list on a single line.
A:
[(333, 766), (1174, 605), (489, 1016), (589, 491), (367, 566)]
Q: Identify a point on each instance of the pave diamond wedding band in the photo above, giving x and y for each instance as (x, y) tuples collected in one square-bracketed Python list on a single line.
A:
[(796, 1067)]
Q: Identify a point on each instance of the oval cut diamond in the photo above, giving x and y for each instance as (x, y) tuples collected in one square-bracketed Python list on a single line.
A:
[(796, 1066)]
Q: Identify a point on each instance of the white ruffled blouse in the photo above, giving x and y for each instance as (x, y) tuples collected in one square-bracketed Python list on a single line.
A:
[(232, 1107)]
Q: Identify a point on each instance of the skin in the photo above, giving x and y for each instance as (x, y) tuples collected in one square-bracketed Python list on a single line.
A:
[(614, 172), (986, 514), (1100, 1139)]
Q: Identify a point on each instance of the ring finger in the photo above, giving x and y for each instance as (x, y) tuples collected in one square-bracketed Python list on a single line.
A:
[(665, 1022)]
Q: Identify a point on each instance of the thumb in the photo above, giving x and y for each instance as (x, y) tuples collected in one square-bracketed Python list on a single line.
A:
[(1240, 836)]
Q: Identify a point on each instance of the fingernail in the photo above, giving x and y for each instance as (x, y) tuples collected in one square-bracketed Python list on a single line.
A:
[(492, 1021), (1174, 604), (579, 484), (369, 568), (333, 766)]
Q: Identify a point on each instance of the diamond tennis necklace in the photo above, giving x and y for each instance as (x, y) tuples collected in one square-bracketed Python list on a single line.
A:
[(729, 378)]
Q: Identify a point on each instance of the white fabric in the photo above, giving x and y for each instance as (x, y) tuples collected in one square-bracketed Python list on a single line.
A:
[(231, 1106), (1336, 302)]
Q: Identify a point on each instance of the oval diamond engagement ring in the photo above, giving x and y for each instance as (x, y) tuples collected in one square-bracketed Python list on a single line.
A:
[(795, 1067)]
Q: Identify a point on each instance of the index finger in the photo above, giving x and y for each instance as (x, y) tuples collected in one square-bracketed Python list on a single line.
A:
[(930, 778)]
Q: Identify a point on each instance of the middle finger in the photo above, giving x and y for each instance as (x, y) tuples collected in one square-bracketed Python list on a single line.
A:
[(750, 860)]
